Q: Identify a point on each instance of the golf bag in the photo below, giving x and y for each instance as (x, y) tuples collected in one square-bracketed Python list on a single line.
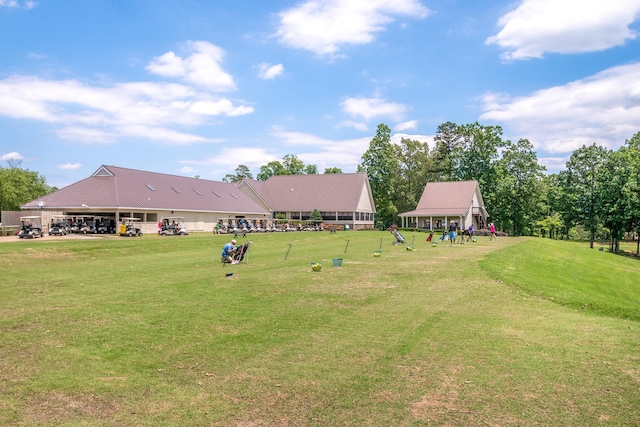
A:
[(399, 237), (430, 237), (241, 251)]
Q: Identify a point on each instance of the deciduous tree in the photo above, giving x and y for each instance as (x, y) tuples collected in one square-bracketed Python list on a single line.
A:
[(583, 168), (242, 172), (19, 186), (381, 166)]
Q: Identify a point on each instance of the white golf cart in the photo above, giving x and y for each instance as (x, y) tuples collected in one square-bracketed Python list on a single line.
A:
[(31, 227), (173, 226), (129, 227), (59, 225)]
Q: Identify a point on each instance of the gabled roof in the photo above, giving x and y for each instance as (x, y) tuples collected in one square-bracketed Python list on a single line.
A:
[(304, 193), (447, 198), (112, 187)]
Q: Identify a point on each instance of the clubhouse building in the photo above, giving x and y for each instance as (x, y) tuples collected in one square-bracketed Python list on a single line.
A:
[(441, 202), (113, 193)]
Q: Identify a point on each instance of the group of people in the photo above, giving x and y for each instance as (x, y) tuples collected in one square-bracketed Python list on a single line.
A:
[(454, 230)]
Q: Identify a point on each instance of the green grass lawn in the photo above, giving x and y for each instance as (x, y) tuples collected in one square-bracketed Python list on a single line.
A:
[(151, 331)]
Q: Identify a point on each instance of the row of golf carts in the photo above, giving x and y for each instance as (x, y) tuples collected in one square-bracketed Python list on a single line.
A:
[(61, 225)]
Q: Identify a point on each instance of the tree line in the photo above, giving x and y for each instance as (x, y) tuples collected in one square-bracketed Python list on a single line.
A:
[(595, 197)]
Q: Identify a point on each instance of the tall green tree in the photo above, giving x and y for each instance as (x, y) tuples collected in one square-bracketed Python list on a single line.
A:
[(414, 162), (272, 168), (616, 199), (242, 172), (520, 187), (475, 158), (447, 138), (633, 157), (19, 186), (311, 169), (619, 187), (583, 169), (553, 204), (293, 165), (381, 166)]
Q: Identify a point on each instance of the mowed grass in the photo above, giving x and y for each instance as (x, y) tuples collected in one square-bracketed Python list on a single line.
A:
[(150, 331), (571, 274)]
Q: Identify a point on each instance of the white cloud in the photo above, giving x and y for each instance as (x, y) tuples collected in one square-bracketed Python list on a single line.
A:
[(536, 27), (553, 164), (104, 114), (345, 153), (28, 4), (268, 71), (186, 169), (355, 125), (70, 166), (603, 108), (248, 156), (323, 152), (12, 156), (202, 67), (369, 108), (411, 124), (326, 26)]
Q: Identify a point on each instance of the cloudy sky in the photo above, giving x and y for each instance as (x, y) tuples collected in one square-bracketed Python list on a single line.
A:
[(196, 87)]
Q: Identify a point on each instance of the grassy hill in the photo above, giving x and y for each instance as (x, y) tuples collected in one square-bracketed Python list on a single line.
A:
[(153, 331)]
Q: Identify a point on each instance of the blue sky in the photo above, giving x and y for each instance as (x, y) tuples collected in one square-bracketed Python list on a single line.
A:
[(199, 87)]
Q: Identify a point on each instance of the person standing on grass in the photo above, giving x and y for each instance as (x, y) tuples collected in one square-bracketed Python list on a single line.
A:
[(227, 252), (470, 236), (452, 233), (492, 229), (159, 227)]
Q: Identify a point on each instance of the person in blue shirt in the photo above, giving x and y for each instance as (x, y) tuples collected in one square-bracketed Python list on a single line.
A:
[(227, 252)]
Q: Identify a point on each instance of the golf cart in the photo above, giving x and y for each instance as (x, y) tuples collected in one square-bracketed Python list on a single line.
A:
[(100, 225), (81, 226), (31, 227), (173, 226), (129, 227), (59, 225)]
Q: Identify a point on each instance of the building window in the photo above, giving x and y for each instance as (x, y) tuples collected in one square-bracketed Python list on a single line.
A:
[(345, 216), (328, 216)]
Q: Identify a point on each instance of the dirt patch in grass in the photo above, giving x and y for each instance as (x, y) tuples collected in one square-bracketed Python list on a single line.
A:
[(57, 407), (437, 405)]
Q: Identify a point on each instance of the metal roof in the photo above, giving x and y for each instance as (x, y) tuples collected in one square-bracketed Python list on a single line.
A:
[(112, 187), (447, 198), (341, 192)]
